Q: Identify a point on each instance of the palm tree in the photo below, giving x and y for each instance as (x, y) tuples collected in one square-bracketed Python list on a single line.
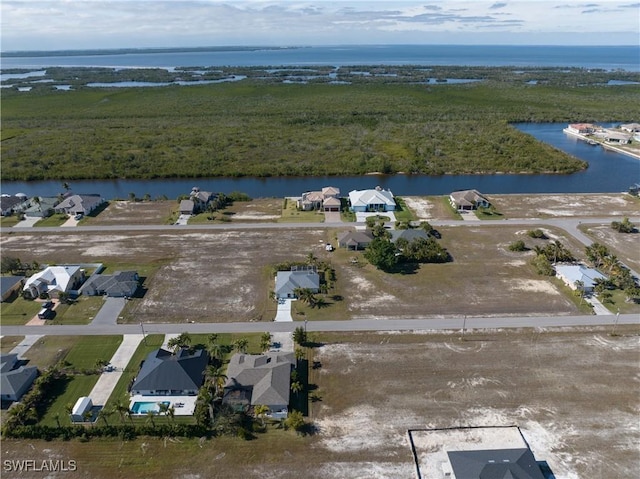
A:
[(104, 414), (87, 415), (241, 345), (122, 408), (311, 258), (163, 408), (212, 338), (216, 352), (260, 411), (265, 341), (580, 289), (296, 387), (217, 378), (610, 263), (150, 415)]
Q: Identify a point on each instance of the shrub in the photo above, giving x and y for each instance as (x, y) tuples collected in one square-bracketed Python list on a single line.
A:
[(537, 233), (542, 265), (517, 246)]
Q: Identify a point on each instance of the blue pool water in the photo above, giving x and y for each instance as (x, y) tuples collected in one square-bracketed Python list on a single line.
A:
[(144, 407)]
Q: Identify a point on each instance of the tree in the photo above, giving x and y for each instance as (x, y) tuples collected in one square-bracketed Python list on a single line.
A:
[(260, 411), (579, 289), (216, 378), (216, 352), (9, 264), (299, 336), (265, 341), (66, 186), (63, 297), (625, 226), (179, 342), (104, 414), (381, 253), (295, 421), (596, 253), (517, 246), (311, 258), (87, 415), (150, 418), (212, 338), (241, 345), (300, 354), (296, 387)]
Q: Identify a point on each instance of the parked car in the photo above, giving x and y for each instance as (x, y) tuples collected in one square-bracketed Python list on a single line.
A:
[(47, 304), (78, 217), (329, 247), (45, 313)]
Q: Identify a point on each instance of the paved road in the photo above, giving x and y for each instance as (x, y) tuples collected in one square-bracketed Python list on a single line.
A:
[(436, 324)]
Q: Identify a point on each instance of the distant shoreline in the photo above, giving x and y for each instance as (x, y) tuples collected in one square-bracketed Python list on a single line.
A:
[(126, 51)]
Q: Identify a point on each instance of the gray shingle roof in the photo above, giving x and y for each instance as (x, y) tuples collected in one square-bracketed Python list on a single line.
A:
[(409, 235), (288, 281), (162, 370), (118, 284), (495, 464), (267, 376)]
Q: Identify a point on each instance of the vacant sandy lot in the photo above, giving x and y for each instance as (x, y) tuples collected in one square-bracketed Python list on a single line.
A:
[(557, 206), (372, 387), (135, 212), (224, 275)]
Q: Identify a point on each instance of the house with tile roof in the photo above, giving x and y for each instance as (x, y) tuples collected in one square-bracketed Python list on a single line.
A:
[(467, 200), (166, 374), (260, 380)]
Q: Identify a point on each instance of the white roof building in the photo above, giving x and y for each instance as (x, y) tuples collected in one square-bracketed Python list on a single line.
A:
[(372, 200), (571, 273), (53, 279)]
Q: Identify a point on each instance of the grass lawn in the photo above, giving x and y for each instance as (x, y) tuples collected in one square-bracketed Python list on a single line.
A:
[(18, 311), (291, 214), (82, 355), (402, 212), (9, 221), (619, 303), (53, 220), (334, 308), (446, 207), (9, 342), (488, 214), (81, 311)]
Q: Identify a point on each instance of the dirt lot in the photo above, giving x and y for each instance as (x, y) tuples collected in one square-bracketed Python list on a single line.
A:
[(134, 212), (536, 206), (224, 275), (372, 387)]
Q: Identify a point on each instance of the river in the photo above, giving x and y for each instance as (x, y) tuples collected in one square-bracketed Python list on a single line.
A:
[(608, 172)]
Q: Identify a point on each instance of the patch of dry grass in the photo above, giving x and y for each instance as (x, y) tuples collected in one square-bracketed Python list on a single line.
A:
[(624, 245), (134, 212), (7, 343)]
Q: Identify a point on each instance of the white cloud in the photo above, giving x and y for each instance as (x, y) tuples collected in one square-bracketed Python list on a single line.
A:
[(49, 24)]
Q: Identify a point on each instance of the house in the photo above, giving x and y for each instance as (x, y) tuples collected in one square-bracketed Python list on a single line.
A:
[(79, 204), (631, 127), (54, 280), (166, 374), (331, 192), (9, 285), (467, 200), (617, 137), (201, 199), (12, 204), (259, 380), (15, 380), (372, 200), (581, 128), (311, 200), (355, 240), (42, 207), (117, 285), (331, 204), (408, 235), (493, 463), (572, 273), (82, 405), (288, 281), (186, 207)]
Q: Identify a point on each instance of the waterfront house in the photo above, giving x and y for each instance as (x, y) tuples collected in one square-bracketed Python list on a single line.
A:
[(616, 137), (259, 380), (376, 200), (54, 280), (328, 199), (467, 200), (631, 127), (166, 374), (186, 207), (79, 204), (41, 207), (287, 282), (12, 204), (201, 199), (581, 128)]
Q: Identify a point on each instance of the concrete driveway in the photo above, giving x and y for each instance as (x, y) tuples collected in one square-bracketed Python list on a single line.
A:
[(120, 360), (25, 344), (110, 311), (332, 217), (362, 217), (183, 220), (27, 222), (284, 310)]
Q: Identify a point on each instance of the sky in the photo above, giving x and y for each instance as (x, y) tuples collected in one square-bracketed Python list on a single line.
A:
[(74, 24)]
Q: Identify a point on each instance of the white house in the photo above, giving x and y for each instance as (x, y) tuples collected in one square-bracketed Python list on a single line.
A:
[(54, 280), (372, 200), (570, 274)]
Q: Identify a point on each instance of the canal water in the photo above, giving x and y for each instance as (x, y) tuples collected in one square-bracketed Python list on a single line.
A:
[(608, 172)]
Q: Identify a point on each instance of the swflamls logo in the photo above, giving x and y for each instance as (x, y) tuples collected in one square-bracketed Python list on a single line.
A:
[(32, 465)]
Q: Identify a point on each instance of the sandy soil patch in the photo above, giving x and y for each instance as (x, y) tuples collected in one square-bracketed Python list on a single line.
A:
[(581, 205), (134, 212), (420, 206), (533, 285)]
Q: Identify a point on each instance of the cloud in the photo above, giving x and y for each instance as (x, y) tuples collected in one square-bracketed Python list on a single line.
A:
[(498, 5)]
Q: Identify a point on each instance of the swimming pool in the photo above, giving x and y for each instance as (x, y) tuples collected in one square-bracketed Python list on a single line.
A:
[(145, 407)]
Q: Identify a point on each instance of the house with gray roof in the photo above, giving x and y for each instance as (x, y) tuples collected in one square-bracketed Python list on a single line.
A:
[(288, 281), (117, 285), (260, 380), (409, 235), (355, 240), (9, 285), (494, 464), (15, 380), (201, 199), (43, 207), (166, 374), (377, 199), (12, 204), (467, 200), (186, 207), (79, 204)]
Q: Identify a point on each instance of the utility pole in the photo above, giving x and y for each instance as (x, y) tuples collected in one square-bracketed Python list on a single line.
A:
[(144, 337), (464, 325), (615, 323)]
